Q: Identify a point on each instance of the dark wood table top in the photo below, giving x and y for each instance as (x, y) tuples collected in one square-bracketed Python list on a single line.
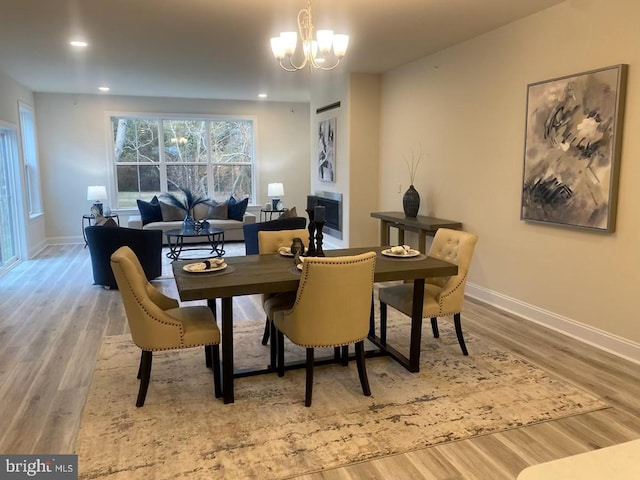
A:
[(253, 274), (419, 222)]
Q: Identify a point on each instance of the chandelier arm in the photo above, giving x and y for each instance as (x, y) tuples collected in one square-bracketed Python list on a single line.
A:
[(329, 68), (284, 67)]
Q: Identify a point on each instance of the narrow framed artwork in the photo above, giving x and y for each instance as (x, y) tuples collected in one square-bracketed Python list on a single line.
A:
[(326, 150), (572, 145)]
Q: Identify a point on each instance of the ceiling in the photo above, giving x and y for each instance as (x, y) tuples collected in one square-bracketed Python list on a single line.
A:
[(220, 48)]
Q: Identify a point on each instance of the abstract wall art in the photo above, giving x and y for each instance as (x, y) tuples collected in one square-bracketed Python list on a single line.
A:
[(326, 150), (572, 149)]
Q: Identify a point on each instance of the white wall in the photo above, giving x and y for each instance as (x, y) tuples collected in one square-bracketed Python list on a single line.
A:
[(357, 150), (327, 90), (10, 93), (466, 107), (73, 139)]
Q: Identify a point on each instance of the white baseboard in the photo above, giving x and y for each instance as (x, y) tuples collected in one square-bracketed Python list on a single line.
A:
[(65, 240), (35, 250), (598, 338)]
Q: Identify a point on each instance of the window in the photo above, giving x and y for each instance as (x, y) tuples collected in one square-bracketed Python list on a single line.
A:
[(210, 156), (30, 156)]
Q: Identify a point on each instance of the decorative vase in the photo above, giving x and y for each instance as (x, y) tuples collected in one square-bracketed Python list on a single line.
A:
[(411, 202), (188, 224)]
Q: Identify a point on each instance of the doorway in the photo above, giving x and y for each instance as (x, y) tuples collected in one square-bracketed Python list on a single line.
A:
[(9, 180)]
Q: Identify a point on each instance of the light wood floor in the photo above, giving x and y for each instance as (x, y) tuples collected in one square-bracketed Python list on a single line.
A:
[(53, 320)]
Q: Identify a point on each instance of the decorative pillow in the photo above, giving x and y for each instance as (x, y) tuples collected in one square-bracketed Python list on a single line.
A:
[(150, 211), (200, 212), (237, 208), (218, 210), (289, 213), (106, 222), (171, 213)]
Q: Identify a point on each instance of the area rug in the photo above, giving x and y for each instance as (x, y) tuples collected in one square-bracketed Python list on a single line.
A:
[(184, 432)]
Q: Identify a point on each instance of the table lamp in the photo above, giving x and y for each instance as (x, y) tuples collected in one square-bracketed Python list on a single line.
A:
[(275, 190), (97, 193)]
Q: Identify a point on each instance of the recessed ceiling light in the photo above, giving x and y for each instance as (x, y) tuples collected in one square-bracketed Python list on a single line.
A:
[(78, 43), (262, 95), (104, 89)]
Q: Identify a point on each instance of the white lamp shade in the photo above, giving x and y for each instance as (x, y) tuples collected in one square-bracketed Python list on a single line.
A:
[(96, 192), (277, 48), (289, 42), (325, 40), (340, 45), (275, 190)]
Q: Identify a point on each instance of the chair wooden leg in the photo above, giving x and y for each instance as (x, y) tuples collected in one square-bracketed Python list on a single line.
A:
[(345, 355), (273, 348), (139, 376), (458, 324), (336, 353), (434, 327), (145, 374), (267, 329), (362, 369), (207, 355), (217, 379), (383, 323), (280, 361), (309, 384)]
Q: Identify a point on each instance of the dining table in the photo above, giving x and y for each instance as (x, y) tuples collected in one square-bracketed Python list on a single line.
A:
[(274, 273)]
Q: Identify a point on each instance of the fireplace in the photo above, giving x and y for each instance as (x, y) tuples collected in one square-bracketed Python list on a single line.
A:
[(333, 205)]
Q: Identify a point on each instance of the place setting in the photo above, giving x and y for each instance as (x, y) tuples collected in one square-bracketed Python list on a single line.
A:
[(402, 252), (210, 265)]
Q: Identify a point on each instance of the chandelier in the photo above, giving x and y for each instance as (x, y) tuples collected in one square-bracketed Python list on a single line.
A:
[(314, 52)]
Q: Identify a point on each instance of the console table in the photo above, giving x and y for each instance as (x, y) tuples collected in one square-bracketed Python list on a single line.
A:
[(421, 225)]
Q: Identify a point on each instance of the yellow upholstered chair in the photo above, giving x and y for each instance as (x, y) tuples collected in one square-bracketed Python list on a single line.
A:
[(332, 309), (442, 296), (270, 242), (158, 323)]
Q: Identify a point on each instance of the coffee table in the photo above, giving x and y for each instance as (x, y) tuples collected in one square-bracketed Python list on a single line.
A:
[(214, 241)]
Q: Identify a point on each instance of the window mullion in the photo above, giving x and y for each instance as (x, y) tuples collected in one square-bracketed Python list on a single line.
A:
[(164, 186)]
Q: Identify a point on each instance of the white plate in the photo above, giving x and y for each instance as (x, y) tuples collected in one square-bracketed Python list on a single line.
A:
[(409, 254), (285, 251), (190, 268)]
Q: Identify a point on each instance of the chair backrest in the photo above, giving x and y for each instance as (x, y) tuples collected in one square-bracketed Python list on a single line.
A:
[(270, 242), (453, 246), (333, 301), (250, 230), (151, 328)]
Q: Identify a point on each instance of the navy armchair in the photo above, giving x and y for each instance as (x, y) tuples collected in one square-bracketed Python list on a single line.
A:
[(103, 241)]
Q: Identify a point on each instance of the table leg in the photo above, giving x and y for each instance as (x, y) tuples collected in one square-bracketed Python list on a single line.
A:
[(422, 241), (227, 350), (400, 236), (384, 233), (416, 325), (174, 248), (216, 240)]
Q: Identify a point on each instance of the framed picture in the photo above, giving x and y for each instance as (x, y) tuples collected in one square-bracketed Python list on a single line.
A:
[(326, 150), (572, 149)]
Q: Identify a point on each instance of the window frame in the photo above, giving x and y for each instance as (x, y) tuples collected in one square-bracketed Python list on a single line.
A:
[(163, 163), (30, 160)]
